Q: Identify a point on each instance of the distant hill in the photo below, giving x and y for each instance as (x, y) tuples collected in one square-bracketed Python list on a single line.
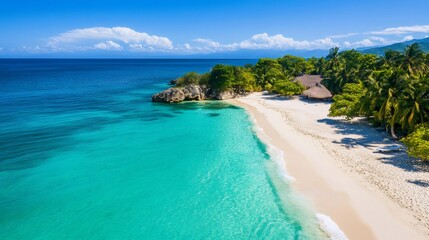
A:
[(424, 44)]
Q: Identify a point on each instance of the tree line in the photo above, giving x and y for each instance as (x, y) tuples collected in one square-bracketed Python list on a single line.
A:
[(274, 75), (392, 90)]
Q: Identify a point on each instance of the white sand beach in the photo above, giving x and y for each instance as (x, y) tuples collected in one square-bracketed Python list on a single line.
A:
[(368, 195)]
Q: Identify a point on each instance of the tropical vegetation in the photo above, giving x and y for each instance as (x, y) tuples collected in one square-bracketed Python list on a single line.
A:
[(274, 75), (391, 90), (418, 142)]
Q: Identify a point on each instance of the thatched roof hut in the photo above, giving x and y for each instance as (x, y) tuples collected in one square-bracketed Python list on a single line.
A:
[(317, 92), (309, 81), (313, 84)]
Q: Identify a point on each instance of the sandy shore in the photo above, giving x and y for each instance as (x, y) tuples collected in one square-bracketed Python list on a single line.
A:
[(368, 195)]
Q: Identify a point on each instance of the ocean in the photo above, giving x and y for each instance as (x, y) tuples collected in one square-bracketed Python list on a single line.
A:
[(85, 154)]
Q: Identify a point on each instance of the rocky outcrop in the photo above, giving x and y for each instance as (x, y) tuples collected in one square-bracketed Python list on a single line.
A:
[(192, 93), (222, 95), (195, 92), (179, 94)]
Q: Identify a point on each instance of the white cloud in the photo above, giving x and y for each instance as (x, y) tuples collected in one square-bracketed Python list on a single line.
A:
[(203, 45), (408, 38), (259, 41), (403, 30), (208, 42), (343, 35), (127, 39), (33, 49), (136, 46), (139, 47), (362, 43), (187, 46), (380, 40), (367, 42), (108, 45), (79, 37), (278, 41)]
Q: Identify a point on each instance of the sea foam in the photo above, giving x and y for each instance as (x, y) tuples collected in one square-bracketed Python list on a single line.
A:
[(330, 227), (326, 224), (277, 156), (275, 153)]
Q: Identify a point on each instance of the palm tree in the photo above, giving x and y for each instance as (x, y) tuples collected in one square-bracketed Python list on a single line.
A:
[(335, 80), (320, 66), (413, 105), (266, 70), (333, 57), (412, 60), (390, 58), (391, 85), (370, 102)]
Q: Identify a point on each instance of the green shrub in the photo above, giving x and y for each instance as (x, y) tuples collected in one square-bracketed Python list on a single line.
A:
[(222, 77), (418, 142), (188, 79), (347, 103), (244, 80), (287, 88)]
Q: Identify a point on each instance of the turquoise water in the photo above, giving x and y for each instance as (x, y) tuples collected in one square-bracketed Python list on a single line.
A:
[(84, 154)]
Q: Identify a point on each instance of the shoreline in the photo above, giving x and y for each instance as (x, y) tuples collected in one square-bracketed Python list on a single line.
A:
[(359, 207)]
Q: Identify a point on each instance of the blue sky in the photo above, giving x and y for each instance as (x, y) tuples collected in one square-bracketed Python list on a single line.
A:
[(205, 26)]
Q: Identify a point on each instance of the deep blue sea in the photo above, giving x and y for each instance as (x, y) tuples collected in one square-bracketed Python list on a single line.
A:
[(85, 154)]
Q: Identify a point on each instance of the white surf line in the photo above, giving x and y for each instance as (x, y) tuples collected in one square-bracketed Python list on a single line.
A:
[(328, 226), (275, 153), (278, 156)]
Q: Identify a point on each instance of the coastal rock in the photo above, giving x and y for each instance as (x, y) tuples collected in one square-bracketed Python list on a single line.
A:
[(193, 93), (169, 95), (179, 94), (227, 95), (223, 95)]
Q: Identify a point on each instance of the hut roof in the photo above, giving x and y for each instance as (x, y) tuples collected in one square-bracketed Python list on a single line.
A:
[(309, 81), (318, 91)]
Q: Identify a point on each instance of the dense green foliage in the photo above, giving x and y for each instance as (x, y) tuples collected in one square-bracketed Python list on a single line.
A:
[(288, 88), (348, 103), (274, 75), (392, 90), (418, 142), (189, 78), (222, 77), (226, 77)]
